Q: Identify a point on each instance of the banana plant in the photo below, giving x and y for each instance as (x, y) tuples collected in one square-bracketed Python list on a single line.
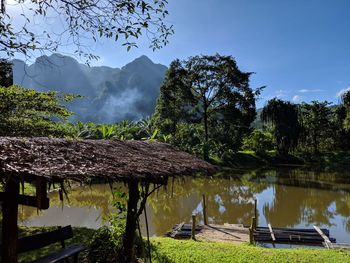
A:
[(106, 131)]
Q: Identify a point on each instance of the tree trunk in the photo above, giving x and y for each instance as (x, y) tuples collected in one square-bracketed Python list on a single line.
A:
[(131, 221), (9, 221)]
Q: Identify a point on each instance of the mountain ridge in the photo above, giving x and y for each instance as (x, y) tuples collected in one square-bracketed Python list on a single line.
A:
[(109, 94)]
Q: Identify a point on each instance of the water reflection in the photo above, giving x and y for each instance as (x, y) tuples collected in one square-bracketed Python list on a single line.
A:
[(286, 198)]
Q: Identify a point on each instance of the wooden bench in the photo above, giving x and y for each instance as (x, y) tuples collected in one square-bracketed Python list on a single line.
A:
[(29, 243)]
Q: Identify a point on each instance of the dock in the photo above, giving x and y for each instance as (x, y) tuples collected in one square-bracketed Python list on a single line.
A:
[(239, 233), (301, 236), (224, 233)]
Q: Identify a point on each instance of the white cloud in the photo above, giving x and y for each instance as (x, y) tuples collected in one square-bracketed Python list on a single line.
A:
[(297, 98), (280, 93), (310, 90), (340, 92)]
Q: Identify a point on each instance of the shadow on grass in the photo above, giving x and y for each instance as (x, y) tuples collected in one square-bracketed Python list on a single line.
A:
[(158, 256), (81, 236)]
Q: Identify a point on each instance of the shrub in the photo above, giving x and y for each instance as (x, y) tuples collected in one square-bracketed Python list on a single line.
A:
[(105, 246), (107, 243), (259, 141)]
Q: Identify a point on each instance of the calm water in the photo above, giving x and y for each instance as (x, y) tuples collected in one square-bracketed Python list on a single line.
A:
[(286, 198)]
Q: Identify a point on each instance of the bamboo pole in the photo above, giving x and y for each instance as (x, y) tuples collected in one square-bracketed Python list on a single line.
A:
[(205, 215), (193, 230)]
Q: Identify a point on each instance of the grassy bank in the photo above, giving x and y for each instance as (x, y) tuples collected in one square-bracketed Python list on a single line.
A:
[(167, 250)]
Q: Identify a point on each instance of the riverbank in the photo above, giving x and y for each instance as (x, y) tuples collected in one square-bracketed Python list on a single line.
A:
[(166, 250), (252, 160)]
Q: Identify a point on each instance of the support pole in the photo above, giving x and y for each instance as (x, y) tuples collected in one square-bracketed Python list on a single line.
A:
[(41, 193), (256, 209), (252, 228), (9, 221), (131, 221), (205, 215), (148, 241), (193, 230)]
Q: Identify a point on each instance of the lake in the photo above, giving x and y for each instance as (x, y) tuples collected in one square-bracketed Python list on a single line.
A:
[(286, 198)]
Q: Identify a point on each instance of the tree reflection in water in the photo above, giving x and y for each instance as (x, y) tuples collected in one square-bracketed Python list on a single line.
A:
[(286, 197)]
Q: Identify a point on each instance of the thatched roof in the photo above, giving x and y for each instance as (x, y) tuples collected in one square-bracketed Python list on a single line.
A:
[(83, 159)]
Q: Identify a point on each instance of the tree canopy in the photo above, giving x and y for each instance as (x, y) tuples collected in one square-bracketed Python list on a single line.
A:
[(316, 121), (346, 104), (345, 98), (211, 91), (342, 122), (26, 112), (283, 117), (172, 104), (81, 20)]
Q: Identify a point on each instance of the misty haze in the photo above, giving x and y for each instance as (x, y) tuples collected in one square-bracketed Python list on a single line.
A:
[(109, 94)]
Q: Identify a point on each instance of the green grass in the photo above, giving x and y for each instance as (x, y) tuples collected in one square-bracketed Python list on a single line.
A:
[(167, 250)]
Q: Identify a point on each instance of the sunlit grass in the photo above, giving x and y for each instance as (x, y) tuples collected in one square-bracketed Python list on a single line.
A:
[(167, 250)]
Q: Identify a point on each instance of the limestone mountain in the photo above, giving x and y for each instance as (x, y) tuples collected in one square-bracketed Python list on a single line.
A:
[(109, 94)]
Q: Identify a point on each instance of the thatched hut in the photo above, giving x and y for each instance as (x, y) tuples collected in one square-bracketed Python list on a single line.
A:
[(41, 160)]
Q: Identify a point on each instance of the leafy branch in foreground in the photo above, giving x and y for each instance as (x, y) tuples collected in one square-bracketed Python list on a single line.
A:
[(79, 22)]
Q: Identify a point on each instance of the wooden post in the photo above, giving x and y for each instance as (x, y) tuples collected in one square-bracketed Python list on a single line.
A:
[(256, 210), (193, 230), (9, 221), (205, 215), (251, 230), (327, 242), (131, 221), (251, 236), (41, 193), (271, 232)]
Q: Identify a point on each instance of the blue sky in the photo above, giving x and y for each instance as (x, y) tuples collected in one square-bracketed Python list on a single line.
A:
[(299, 49)]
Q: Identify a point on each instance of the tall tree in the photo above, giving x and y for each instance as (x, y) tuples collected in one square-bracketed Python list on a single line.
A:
[(216, 93), (171, 104), (346, 104), (342, 122), (81, 20), (316, 120), (345, 98), (283, 117)]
